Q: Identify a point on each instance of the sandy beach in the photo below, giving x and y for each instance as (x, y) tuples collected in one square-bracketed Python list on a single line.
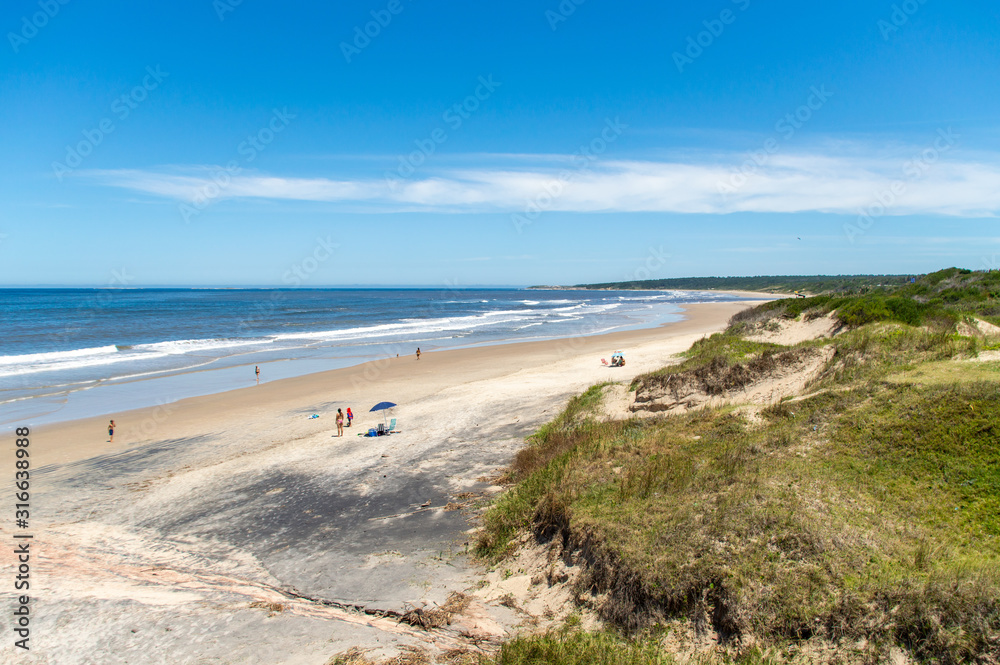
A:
[(234, 528)]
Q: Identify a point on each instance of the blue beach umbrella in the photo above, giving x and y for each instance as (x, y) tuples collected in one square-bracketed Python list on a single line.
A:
[(382, 406)]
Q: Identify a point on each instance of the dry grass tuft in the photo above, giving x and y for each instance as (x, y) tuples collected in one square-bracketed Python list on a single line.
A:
[(437, 617), (272, 608), (353, 656)]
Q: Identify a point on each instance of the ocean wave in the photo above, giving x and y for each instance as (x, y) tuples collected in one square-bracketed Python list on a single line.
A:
[(571, 307), (413, 326), (58, 355), (181, 346), (643, 298), (111, 354), (60, 360)]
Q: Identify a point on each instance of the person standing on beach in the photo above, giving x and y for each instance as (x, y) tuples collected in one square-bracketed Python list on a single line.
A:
[(340, 423), (111, 432), (418, 353), (350, 416), (256, 370)]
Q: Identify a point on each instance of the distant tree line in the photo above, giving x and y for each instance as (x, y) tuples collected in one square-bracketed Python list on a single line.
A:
[(812, 284)]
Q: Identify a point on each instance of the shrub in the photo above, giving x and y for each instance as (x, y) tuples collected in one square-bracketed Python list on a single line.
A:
[(861, 311), (905, 310)]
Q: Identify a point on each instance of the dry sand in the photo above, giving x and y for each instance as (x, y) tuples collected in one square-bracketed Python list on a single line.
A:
[(233, 528)]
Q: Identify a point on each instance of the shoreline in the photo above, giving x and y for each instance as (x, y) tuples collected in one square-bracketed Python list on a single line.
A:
[(174, 385), (135, 426), (127, 390)]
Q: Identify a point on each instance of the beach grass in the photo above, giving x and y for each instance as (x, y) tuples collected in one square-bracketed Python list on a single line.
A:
[(574, 647)]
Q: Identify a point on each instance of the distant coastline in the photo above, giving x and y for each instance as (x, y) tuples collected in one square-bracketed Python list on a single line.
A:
[(771, 284)]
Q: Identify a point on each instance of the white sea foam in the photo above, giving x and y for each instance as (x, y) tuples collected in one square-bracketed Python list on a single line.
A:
[(196, 345), (110, 355), (58, 355), (414, 326), (60, 360)]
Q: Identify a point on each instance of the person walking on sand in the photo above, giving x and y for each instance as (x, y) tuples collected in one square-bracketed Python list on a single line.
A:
[(111, 432), (418, 353), (256, 370), (350, 416), (340, 423)]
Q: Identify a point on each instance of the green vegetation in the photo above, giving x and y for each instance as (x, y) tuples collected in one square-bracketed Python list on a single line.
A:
[(940, 300), (764, 283), (962, 289), (864, 516), (579, 648)]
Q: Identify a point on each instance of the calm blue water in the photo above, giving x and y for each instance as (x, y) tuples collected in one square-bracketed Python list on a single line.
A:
[(133, 344)]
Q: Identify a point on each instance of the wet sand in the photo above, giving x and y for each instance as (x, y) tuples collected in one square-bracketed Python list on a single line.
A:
[(169, 544)]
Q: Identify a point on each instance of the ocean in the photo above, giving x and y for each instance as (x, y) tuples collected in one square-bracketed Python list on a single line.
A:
[(73, 353)]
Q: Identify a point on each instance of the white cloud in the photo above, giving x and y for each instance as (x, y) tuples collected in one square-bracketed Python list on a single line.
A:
[(785, 183)]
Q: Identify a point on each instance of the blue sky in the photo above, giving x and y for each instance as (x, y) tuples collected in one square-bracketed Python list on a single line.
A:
[(233, 142)]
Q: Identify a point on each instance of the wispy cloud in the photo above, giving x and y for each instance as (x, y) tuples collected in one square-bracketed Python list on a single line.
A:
[(787, 183)]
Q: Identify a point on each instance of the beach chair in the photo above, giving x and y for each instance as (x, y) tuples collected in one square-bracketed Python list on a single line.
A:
[(392, 425)]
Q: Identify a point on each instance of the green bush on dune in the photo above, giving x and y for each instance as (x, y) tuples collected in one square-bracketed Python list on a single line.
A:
[(871, 309)]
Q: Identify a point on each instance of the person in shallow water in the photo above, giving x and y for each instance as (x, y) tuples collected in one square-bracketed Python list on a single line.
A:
[(418, 353)]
